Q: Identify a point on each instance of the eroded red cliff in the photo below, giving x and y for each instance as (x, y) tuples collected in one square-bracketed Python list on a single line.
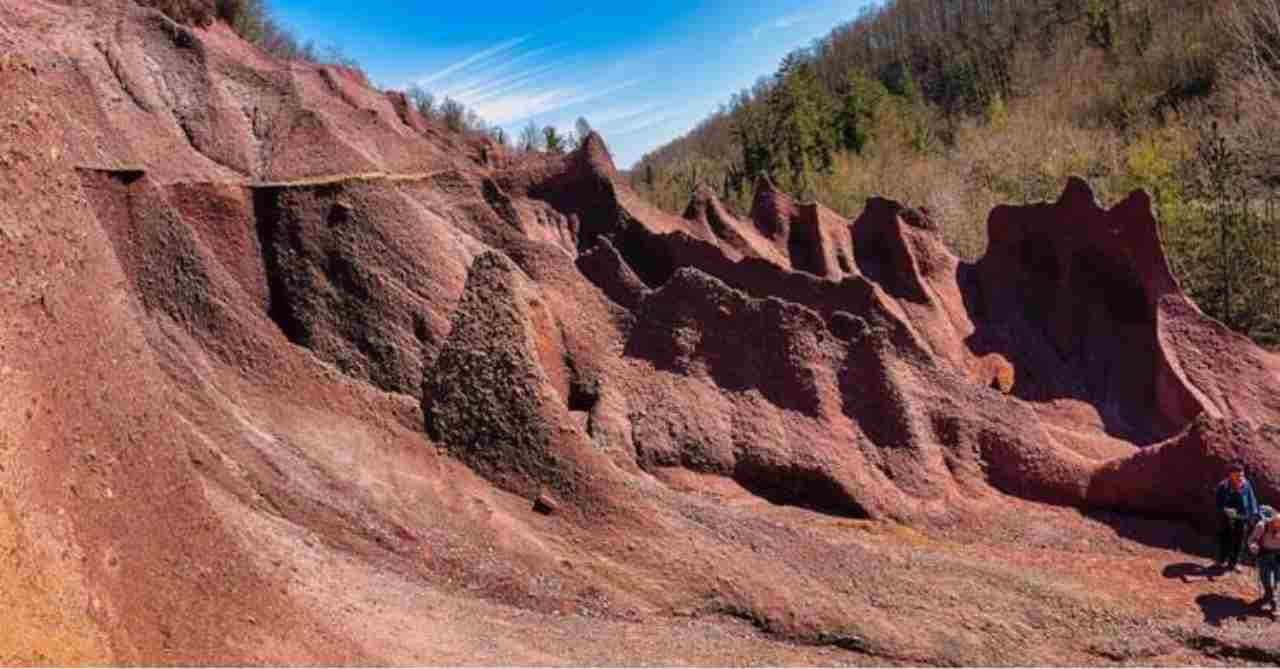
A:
[(286, 365)]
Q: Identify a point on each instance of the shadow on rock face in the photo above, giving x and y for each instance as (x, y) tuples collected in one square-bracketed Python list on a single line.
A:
[(696, 324), (1219, 608), (1188, 572), (810, 488), (1168, 533), (1069, 292)]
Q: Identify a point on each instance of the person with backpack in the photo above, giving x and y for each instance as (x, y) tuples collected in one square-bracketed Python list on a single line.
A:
[(1264, 541), (1239, 508)]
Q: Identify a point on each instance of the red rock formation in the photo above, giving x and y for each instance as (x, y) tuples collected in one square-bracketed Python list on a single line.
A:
[(492, 394), (1090, 289), (285, 367), (994, 370)]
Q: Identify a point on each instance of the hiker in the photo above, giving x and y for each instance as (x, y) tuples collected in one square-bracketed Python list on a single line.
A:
[(1264, 541), (1239, 508)]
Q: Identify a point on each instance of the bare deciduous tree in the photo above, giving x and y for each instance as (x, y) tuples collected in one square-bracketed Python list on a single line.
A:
[(530, 138), (1255, 78)]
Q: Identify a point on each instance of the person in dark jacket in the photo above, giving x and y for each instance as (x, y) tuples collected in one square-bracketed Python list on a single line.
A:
[(1239, 508)]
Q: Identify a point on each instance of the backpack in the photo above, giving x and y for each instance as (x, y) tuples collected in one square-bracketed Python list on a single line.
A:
[(1266, 513)]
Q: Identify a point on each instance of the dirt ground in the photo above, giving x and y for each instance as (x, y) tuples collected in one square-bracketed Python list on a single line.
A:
[(285, 367)]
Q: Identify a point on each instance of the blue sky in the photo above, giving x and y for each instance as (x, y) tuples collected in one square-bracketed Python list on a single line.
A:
[(642, 72)]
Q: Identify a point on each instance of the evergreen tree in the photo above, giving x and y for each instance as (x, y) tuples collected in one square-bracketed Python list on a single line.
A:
[(752, 130), (859, 107), (801, 117), (899, 80), (1102, 17), (552, 140)]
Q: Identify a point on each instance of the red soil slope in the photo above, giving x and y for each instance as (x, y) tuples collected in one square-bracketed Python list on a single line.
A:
[(285, 367)]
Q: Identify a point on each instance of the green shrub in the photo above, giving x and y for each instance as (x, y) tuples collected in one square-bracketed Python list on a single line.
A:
[(920, 138), (248, 18)]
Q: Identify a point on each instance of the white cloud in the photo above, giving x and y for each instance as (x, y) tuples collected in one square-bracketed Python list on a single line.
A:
[(519, 105), (684, 111), (607, 117), (778, 23), (504, 85), (644, 124), (523, 104), (472, 60), (479, 90), (603, 120), (496, 74), (784, 22)]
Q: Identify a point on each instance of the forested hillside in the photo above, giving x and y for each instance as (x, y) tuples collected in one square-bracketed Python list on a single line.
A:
[(957, 105)]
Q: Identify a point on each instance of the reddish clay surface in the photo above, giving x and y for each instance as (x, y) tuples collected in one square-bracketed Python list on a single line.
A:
[(287, 369)]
